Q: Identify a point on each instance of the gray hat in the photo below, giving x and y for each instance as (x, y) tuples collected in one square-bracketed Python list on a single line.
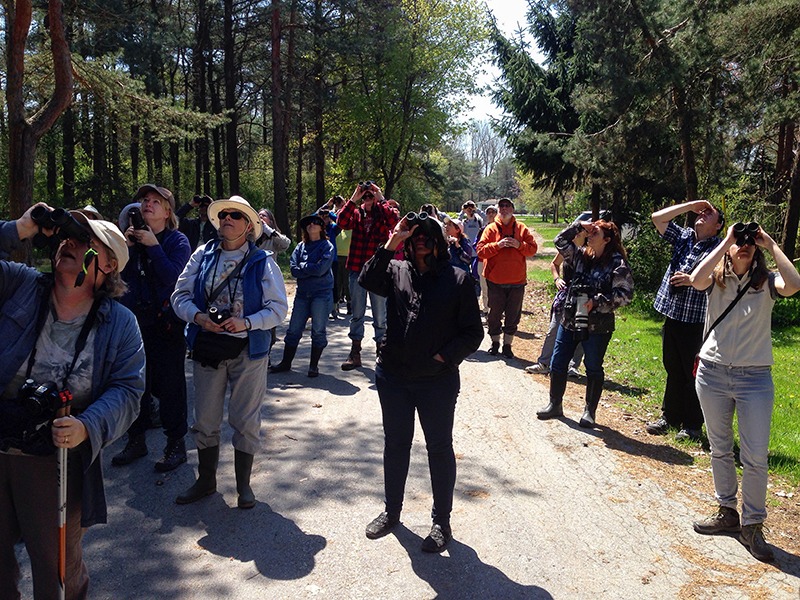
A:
[(161, 191)]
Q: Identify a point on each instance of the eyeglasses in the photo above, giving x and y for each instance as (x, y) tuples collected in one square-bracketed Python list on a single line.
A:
[(233, 214)]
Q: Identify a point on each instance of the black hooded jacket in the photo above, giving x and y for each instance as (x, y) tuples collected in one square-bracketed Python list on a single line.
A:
[(427, 314)]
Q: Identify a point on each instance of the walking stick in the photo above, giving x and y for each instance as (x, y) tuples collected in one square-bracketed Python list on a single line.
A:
[(66, 397)]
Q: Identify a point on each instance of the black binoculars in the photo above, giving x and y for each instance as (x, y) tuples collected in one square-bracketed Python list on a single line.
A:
[(61, 222), (365, 185), (745, 233), (136, 219)]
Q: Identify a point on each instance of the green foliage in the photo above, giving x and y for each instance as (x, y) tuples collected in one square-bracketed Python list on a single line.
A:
[(648, 256)]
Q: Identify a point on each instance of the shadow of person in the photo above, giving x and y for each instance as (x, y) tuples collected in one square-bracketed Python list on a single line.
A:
[(785, 561), (460, 574), (277, 546)]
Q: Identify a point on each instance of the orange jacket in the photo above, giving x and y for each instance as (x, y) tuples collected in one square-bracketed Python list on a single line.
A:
[(505, 265)]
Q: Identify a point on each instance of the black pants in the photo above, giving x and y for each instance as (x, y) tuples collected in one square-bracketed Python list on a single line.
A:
[(166, 380), (680, 343), (435, 402)]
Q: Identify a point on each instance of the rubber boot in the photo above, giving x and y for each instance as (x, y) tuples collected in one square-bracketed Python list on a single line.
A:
[(313, 365), (135, 448), (558, 385), (354, 358), (243, 464), (594, 389), (286, 361), (206, 483)]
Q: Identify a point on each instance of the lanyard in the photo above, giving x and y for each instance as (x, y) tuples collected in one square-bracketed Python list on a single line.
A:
[(227, 283)]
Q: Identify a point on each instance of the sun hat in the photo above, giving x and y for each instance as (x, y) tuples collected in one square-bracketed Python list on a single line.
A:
[(235, 203), (161, 191), (108, 234)]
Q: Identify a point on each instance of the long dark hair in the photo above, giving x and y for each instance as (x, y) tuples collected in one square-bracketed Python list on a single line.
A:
[(758, 269), (611, 233)]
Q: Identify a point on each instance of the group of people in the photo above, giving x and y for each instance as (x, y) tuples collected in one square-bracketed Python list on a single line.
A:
[(109, 328)]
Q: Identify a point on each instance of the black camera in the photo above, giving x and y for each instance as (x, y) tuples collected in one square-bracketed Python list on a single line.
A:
[(61, 222), (578, 298), (136, 219), (746, 233), (217, 315), (40, 401)]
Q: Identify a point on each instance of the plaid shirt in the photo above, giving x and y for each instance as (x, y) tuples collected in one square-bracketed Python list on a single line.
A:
[(683, 303), (370, 230)]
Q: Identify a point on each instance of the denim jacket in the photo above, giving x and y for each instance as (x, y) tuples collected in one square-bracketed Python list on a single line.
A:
[(118, 370)]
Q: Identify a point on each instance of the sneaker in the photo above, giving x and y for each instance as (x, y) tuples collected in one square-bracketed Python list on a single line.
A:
[(692, 435), (573, 373), (174, 456), (658, 427), (752, 536), (725, 521), (495, 349), (381, 525), (538, 369), (507, 351), (437, 539)]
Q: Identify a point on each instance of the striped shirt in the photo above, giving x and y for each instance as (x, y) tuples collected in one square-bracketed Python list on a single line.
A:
[(684, 303)]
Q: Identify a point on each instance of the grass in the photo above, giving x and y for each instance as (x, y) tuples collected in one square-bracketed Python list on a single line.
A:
[(634, 370)]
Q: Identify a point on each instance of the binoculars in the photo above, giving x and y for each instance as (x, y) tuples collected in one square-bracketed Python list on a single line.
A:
[(61, 222), (745, 233), (365, 185)]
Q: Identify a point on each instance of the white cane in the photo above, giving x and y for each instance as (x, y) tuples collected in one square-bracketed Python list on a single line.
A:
[(66, 397)]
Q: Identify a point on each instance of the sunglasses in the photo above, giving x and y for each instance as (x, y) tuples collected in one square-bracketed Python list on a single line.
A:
[(233, 214)]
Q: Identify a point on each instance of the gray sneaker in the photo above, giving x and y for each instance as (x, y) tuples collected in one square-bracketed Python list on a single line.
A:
[(725, 521), (538, 368), (752, 536)]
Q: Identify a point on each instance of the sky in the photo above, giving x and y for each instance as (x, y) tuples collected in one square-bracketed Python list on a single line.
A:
[(510, 15)]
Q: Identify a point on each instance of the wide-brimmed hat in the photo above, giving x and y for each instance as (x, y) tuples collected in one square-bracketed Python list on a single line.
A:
[(161, 191), (108, 234), (235, 203), (312, 218)]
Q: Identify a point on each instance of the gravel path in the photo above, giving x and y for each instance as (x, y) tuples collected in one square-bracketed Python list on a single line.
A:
[(543, 509)]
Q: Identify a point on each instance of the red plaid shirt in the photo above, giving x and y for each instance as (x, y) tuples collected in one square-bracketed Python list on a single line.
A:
[(370, 230)]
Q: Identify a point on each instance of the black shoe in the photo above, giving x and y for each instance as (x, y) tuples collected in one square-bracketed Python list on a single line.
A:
[(494, 349), (726, 520), (134, 449), (381, 525), (507, 351), (174, 456), (437, 539), (658, 427), (752, 537)]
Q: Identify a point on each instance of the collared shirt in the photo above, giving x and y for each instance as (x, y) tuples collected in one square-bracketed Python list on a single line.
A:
[(683, 303), (370, 229)]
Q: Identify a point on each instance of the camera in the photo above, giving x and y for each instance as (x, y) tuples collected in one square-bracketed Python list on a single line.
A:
[(61, 222), (40, 401), (579, 297), (217, 315), (746, 233), (136, 219)]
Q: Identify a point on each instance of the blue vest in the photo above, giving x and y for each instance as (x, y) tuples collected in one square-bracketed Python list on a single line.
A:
[(252, 273)]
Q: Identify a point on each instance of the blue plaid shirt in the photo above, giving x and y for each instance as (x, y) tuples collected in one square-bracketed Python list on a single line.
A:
[(684, 303)]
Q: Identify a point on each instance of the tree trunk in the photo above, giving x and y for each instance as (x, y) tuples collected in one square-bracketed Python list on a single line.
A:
[(135, 155), (278, 141), (68, 157), (230, 77), (792, 222), (685, 137)]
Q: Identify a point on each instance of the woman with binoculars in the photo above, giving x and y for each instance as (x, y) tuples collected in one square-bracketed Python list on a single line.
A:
[(601, 283), (230, 273), (63, 332), (433, 324), (734, 374)]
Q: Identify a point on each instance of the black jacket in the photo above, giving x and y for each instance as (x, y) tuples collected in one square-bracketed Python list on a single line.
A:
[(430, 313)]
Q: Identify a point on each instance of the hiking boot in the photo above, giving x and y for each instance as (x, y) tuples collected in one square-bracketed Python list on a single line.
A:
[(353, 360), (495, 349), (538, 369), (437, 539), (658, 427), (726, 520), (381, 525), (507, 351), (693, 435), (752, 536), (174, 456), (135, 448), (573, 373)]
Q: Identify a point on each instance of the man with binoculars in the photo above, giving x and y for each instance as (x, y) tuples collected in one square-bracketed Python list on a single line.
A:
[(65, 339), (684, 310), (371, 219)]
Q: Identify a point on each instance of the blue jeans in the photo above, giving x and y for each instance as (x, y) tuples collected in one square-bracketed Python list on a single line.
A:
[(434, 400), (316, 305), (358, 298), (749, 392), (594, 351), (546, 355)]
